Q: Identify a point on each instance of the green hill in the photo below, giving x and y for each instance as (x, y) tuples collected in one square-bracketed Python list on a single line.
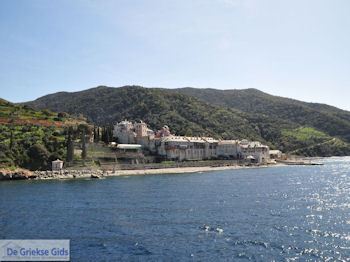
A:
[(184, 114), (30, 138), (11, 113), (235, 114), (330, 120)]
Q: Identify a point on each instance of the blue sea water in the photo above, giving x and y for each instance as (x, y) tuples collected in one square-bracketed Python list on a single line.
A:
[(295, 213)]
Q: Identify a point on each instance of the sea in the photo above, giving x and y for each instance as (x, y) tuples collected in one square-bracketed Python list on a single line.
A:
[(287, 213)]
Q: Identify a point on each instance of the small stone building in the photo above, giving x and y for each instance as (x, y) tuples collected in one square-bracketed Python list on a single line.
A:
[(275, 154), (57, 165)]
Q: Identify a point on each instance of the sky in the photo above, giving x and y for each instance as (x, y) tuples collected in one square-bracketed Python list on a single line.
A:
[(293, 48)]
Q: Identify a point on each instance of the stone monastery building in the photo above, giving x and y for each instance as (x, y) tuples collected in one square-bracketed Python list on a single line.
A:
[(180, 148)]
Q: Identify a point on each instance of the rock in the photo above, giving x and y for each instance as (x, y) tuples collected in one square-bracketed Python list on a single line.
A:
[(5, 176), (16, 174), (33, 176)]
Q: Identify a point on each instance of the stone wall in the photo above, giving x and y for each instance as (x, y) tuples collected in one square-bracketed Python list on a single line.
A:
[(76, 172), (213, 163)]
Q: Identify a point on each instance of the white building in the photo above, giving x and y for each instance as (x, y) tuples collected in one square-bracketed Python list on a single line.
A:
[(228, 148), (254, 149), (182, 147), (57, 165), (124, 132), (134, 133), (275, 154)]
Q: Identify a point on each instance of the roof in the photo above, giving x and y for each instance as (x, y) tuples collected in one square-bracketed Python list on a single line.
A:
[(194, 139), (254, 144), (172, 138), (129, 146), (228, 142), (273, 152), (185, 139), (57, 161), (210, 139)]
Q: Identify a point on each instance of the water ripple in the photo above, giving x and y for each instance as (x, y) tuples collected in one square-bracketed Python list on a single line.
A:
[(271, 214)]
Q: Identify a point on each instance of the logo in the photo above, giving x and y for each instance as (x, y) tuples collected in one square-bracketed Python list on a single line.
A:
[(34, 250)]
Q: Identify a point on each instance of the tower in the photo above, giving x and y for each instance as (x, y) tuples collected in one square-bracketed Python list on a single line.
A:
[(141, 129)]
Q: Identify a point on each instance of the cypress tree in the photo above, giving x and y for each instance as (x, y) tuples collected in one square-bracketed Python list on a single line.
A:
[(70, 146), (11, 140), (95, 135), (110, 134), (102, 135), (83, 145)]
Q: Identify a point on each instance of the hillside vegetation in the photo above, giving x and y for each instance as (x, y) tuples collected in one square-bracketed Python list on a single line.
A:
[(330, 120), (32, 139), (309, 142), (184, 114), (229, 114)]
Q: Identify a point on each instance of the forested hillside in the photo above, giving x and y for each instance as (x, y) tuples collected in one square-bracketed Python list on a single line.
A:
[(234, 114), (331, 120), (32, 139), (184, 114)]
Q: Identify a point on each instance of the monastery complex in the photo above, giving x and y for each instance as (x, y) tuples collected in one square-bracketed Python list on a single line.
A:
[(179, 148)]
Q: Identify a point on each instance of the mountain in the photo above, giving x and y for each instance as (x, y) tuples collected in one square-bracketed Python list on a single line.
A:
[(290, 125), (331, 120), (184, 114)]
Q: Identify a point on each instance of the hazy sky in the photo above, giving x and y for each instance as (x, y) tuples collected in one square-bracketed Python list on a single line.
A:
[(292, 48)]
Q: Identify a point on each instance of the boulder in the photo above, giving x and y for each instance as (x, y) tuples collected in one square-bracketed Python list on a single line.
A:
[(17, 174), (95, 176)]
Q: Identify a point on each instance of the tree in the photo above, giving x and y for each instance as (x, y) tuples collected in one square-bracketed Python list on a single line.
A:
[(83, 130), (62, 115), (70, 146), (107, 134), (83, 147), (103, 135), (38, 157), (11, 140), (47, 112), (96, 134)]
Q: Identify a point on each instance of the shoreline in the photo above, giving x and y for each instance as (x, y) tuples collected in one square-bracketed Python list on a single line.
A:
[(21, 174), (181, 170)]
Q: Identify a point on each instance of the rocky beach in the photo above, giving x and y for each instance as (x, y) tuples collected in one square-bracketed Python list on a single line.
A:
[(21, 174)]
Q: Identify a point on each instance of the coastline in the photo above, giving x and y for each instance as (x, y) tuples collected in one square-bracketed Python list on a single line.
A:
[(180, 170), (21, 174)]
